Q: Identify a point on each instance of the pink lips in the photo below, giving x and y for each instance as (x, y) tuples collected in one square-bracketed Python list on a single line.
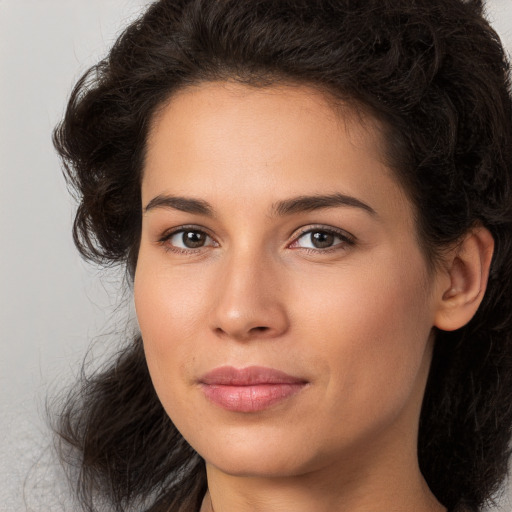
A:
[(250, 389)]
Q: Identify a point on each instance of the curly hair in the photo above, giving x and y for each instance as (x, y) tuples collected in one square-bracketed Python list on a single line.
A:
[(434, 73)]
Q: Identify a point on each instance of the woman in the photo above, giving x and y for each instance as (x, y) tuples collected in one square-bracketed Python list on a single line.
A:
[(313, 202)]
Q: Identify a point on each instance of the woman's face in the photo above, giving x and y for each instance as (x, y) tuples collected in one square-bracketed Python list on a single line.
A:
[(284, 303)]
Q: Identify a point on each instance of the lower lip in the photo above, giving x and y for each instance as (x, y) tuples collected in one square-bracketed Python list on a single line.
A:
[(252, 398)]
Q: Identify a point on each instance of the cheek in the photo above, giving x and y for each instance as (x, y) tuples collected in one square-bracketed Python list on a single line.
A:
[(385, 297), (372, 330), (170, 306), (169, 299)]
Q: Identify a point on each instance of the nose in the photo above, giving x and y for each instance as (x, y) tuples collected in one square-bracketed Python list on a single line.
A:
[(250, 302)]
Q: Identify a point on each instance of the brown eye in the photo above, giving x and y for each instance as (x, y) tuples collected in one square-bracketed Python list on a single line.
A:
[(193, 239), (318, 239), (321, 239), (189, 239)]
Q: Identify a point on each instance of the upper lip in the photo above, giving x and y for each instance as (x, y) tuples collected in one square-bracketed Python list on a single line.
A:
[(249, 376)]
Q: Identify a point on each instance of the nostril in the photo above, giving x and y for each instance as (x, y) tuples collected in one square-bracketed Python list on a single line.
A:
[(259, 329), (253, 331)]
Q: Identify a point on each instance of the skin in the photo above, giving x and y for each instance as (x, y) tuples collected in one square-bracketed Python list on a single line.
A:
[(354, 319)]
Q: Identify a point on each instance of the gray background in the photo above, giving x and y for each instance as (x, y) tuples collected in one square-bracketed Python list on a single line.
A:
[(52, 305)]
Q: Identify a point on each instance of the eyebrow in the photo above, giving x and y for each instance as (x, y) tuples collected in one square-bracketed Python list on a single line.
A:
[(280, 209), (318, 202), (183, 204)]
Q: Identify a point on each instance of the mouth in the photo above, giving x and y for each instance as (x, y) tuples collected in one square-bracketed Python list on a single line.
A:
[(250, 389)]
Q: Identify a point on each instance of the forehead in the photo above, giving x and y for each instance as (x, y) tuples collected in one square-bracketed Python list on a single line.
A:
[(207, 104), (221, 138)]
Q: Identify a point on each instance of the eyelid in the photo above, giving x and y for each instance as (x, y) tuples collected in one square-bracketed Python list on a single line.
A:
[(169, 233), (345, 236), (184, 227)]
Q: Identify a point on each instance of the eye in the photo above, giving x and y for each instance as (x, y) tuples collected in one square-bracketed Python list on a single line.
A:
[(318, 239), (187, 239)]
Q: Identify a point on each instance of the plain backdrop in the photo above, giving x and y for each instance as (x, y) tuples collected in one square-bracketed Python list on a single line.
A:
[(52, 305)]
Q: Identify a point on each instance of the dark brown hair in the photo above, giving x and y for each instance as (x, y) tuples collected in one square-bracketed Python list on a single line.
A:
[(434, 74)]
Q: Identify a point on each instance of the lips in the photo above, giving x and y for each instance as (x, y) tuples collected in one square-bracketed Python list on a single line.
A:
[(250, 389)]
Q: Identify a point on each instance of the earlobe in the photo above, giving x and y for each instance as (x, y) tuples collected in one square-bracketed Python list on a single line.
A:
[(468, 270)]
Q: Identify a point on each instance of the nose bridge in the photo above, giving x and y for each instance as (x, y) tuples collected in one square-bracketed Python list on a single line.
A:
[(249, 300)]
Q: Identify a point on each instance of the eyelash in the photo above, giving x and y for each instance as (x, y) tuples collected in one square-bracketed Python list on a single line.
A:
[(182, 229), (346, 239)]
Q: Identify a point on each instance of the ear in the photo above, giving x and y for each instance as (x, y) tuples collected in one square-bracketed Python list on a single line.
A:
[(467, 268)]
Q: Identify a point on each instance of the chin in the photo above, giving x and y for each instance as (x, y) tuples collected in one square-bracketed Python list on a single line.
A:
[(258, 465), (258, 456)]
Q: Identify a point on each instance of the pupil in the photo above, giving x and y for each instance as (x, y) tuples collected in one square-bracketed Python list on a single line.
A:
[(322, 240), (193, 239)]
